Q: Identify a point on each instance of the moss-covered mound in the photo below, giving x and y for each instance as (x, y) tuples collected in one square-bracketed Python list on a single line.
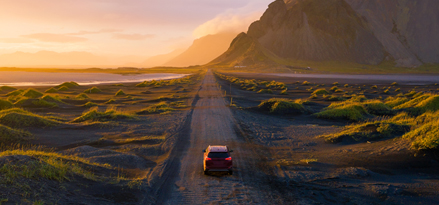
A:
[(14, 93), (377, 107), (93, 90), (281, 106), (63, 88), (4, 104), (7, 88), (82, 96), (161, 107), (265, 91), (425, 137), (52, 99), (95, 115), (31, 93), (90, 104), (352, 112), (18, 118), (120, 93), (367, 131), (395, 101), (321, 91), (68, 85), (51, 90), (9, 135), (35, 103)]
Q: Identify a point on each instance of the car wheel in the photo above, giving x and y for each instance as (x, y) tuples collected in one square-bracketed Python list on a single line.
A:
[(205, 172), (231, 172)]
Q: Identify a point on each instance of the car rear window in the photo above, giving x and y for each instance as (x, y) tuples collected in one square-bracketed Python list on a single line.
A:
[(218, 155)]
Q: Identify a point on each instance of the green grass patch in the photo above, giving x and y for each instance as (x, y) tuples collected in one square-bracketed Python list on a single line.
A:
[(425, 137), (110, 114), (93, 90), (367, 131), (281, 106), (395, 101), (50, 98), (352, 112), (110, 101)]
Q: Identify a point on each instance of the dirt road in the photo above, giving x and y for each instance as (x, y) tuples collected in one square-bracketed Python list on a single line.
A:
[(212, 123)]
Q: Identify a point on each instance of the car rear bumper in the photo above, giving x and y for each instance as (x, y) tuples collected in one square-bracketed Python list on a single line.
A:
[(219, 170)]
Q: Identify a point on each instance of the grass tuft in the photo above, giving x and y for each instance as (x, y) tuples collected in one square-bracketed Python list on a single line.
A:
[(9, 135), (63, 88), (51, 90), (18, 118), (162, 107), (82, 96), (110, 114), (321, 91), (90, 104), (265, 91)]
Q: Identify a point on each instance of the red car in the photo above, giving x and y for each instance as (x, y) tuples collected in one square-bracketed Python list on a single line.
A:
[(217, 158)]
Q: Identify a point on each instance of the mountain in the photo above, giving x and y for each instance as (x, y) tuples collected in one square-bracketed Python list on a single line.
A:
[(159, 60), (360, 31), (203, 50)]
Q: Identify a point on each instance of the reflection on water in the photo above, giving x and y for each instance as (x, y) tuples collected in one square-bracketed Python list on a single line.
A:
[(20, 78)]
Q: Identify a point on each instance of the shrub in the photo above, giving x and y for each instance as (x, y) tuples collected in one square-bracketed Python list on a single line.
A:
[(394, 83), (284, 92), (346, 85), (120, 93), (334, 88), (63, 88), (82, 96), (374, 87), (397, 89), (5, 104), (31, 93), (320, 92), (386, 91), (265, 91), (281, 106), (336, 83), (95, 115), (51, 90), (93, 90)]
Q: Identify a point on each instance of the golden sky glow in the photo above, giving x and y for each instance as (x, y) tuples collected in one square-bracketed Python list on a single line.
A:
[(135, 29)]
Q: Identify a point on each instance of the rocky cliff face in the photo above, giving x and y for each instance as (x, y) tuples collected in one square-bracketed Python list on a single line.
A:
[(361, 31)]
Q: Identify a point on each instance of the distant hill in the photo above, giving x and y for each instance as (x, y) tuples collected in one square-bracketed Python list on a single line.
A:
[(360, 31), (159, 60), (203, 50)]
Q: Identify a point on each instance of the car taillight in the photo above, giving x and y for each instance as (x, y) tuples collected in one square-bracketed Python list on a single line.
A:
[(208, 159), (228, 158)]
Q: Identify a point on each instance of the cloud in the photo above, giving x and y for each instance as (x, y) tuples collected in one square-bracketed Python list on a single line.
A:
[(95, 32), (133, 37), (233, 20), (55, 38), (16, 40)]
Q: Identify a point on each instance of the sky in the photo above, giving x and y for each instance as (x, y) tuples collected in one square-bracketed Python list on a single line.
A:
[(119, 27)]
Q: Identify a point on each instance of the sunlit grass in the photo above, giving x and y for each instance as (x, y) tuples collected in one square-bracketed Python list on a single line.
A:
[(109, 115)]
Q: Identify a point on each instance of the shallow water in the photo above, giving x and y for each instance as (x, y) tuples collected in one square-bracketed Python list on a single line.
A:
[(20, 78)]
